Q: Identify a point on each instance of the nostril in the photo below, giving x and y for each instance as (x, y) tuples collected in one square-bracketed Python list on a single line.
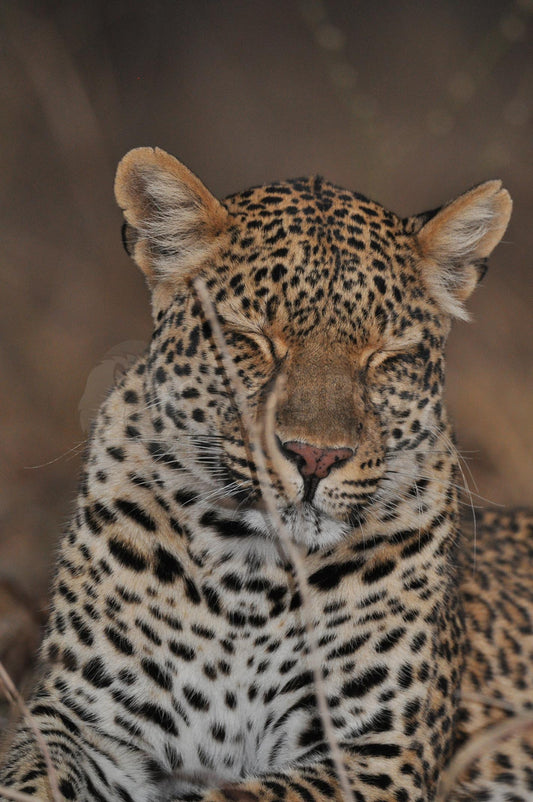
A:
[(291, 454), (314, 461)]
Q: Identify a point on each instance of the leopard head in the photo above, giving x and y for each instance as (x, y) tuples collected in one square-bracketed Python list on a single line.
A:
[(335, 312)]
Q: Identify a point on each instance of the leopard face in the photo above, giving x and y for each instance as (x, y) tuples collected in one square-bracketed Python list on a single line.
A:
[(338, 307)]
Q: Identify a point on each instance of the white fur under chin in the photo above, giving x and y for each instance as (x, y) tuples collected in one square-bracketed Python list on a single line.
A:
[(305, 524), (308, 527)]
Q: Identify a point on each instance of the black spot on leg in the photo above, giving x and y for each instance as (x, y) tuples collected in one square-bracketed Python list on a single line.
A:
[(380, 283), (67, 789), (126, 555), (157, 673), (136, 513), (363, 683), (331, 575), (196, 698), (94, 672), (194, 338), (166, 566)]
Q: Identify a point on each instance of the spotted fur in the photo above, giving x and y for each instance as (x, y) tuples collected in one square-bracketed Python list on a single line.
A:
[(175, 663)]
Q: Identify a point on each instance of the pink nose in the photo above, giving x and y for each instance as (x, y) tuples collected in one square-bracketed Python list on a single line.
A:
[(316, 461)]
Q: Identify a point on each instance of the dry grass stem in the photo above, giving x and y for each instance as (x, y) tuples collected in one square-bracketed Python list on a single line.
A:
[(488, 701), (486, 741), (17, 796), (291, 549), (70, 115), (14, 697)]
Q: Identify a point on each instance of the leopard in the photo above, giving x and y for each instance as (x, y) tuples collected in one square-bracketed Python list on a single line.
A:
[(269, 515)]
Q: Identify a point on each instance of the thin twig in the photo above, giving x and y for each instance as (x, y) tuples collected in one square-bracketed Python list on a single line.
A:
[(488, 701), (15, 698), (17, 796), (477, 746), (291, 549)]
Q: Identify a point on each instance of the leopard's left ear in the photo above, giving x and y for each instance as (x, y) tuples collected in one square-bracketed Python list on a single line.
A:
[(173, 223), (455, 242)]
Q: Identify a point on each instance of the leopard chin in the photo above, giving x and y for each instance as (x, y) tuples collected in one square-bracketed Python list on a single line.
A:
[(305, 524)]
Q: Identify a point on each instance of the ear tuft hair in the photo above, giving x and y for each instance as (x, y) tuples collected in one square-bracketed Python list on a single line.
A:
[(173, 223), (456, 241)]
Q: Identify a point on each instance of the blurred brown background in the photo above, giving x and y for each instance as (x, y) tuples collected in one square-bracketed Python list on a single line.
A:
[(408, 102)]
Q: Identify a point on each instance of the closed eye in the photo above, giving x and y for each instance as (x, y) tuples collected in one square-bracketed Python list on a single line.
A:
[(272, 349), (277, 349), (406, 352)]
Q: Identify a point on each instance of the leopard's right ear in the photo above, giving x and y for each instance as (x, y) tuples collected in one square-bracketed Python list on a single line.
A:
[(173, 223)]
